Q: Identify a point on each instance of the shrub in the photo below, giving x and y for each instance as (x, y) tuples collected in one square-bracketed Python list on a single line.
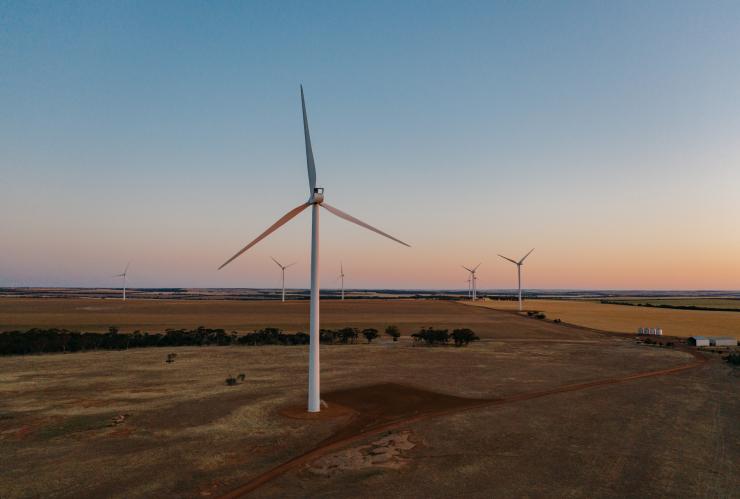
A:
[(463, 336), (733, 359), (393, 332), (557, 321), (432, 336), (231, 381), (241, 377), (370, 334), (348, 335)]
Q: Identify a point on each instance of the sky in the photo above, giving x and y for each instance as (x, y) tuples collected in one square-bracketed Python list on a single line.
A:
[(604, 134)]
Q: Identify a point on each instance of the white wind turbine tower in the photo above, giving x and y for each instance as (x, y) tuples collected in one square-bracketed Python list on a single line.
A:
[(519, 273), (123, 275), (282, 268), (473, 278), (341, 277), (315, 200)]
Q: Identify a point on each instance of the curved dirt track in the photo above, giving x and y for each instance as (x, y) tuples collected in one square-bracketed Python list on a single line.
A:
[(342, 438)]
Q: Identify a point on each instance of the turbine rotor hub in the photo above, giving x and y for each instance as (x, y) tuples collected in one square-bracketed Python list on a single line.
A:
[(318, 196)]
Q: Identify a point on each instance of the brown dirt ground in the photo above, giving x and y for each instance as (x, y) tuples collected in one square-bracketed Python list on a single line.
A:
[(156, 315), (626, 319), (187, 434)]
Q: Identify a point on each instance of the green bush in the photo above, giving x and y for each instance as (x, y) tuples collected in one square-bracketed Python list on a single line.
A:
[(393, 332), (370, 334), (463, 337), (432, 336)]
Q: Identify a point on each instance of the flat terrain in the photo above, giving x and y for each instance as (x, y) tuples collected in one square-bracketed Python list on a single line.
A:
[(487, 420), (626, 319), (156, 315), (723, 303)]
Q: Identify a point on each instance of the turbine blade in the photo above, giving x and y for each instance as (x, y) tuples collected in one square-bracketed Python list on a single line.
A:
[(476, 267), (290, 265), (292, 213), (463, 266), (354, 220), (126, 269), (507, 258), (525, 256), (278, 263), (309, 150)]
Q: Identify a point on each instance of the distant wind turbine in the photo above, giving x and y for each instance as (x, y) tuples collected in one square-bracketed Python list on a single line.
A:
[(282, 268), (123, 275), (341, 277), (519, 273), (473, 278), (316, 199)]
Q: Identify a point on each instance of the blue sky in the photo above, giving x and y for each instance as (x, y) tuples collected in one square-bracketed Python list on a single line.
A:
[(603, 133)]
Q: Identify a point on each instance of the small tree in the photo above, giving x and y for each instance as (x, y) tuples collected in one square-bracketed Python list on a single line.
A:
[(370, 334), (463, 336), (348, 334), (393, 332)]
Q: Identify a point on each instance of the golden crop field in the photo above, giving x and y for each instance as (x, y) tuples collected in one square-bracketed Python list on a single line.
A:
[(626, 319), (723, 303)]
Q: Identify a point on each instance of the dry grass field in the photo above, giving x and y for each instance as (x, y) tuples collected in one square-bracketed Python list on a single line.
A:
[(626, 319), (723, 303), (127, 424)]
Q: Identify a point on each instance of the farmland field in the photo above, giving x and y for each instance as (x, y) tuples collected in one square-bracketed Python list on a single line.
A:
[(156, 315), (626, 319), (412, 421), (718, 303)]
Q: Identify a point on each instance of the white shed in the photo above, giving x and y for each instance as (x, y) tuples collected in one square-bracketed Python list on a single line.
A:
[(699, 341), (724, 341)]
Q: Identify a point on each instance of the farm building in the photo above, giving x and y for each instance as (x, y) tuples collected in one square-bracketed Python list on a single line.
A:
[(699, 341), (723, 342)]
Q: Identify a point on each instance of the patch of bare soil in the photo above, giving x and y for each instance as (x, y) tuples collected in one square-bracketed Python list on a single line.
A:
[(376, 408), (387, 452), (385, 403)]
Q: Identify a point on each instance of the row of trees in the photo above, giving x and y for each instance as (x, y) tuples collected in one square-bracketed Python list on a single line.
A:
[(430, 336), (670, 305), (62, 340)]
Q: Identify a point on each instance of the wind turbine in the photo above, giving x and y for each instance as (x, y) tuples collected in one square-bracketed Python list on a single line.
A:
[(341, 277), (315, 200), (473, 295), (519, 273), (283, 267), (470, 287), (123, 275)]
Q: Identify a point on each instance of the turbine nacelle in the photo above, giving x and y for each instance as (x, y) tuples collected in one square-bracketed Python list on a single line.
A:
[(318, 196)]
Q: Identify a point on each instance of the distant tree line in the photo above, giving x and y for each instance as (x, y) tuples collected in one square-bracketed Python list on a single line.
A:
[(62, 340), (668, 305), (431, 336)]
